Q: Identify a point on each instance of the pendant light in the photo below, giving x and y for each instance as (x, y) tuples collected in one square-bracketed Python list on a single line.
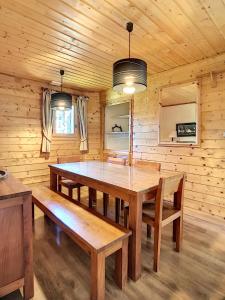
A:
[(61, 100), (129, 74)]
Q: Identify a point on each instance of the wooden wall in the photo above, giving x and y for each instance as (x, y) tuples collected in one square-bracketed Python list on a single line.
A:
[(20, 130), (205, 166)]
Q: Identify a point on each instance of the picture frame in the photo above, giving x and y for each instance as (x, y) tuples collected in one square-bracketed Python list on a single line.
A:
[(186, 129)]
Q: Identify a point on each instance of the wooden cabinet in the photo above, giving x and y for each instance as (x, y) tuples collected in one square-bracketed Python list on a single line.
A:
[(16, 251)]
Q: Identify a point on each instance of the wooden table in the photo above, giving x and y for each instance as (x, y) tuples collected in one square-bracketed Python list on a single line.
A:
[(131, 184)]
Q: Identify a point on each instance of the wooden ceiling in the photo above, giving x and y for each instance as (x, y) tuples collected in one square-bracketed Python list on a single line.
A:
[(39, 37)]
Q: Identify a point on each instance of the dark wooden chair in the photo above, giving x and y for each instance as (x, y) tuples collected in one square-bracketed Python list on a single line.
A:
[(67, 183), (148, 165), (152, 165), (162, 212), (118, 161)]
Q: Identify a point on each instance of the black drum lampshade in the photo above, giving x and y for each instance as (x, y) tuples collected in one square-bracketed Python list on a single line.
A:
[(129, 74), (61, 100)]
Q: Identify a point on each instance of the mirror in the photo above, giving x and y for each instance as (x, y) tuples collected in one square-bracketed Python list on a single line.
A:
[(179, 115), (117, 117)]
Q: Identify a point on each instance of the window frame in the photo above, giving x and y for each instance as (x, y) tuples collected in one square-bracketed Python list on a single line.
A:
[(68, 135)]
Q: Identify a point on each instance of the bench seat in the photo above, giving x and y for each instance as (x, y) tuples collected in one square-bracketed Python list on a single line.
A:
[(93, 234)]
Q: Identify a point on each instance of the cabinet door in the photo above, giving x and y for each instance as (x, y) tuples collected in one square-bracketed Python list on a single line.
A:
[(11, 241)]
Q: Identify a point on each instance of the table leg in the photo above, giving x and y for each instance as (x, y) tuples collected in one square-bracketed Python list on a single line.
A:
[(135, 224), (53, 181)]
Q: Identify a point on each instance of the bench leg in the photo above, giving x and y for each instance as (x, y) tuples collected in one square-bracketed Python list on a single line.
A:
[(121, 268), (97, 276)]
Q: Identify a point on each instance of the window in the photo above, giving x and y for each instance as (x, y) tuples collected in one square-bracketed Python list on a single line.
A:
[(64, 121)]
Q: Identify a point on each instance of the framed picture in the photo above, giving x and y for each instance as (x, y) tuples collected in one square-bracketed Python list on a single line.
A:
[(186, 129)]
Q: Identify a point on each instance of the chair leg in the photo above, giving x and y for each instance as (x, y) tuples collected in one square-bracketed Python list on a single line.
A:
[(92, 197), (33, 210), (117, 210), (59, 186), (70, 193), (179, 233), (122, 204), (174, 231), (126, 216), (121, 266), (149, 231), (157, 246), (33, 214), (97, 276), (105, 204), (174, 222), (78, 193)]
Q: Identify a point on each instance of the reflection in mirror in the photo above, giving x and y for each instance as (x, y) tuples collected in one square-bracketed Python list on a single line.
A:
[(179, 107)]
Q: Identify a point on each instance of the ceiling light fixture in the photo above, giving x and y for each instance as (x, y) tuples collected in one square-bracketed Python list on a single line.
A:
[(129, 74), (61, 100)]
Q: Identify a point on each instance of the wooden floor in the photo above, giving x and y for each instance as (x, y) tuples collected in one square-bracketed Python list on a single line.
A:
[(198, 272)]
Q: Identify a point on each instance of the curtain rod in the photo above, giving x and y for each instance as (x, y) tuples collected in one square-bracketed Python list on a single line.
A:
[(75, 95)]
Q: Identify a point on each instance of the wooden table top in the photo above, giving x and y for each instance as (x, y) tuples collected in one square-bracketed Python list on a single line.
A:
[(11, 187), (134, 179)]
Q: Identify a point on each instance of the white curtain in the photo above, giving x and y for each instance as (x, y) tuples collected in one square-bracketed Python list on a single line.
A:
[(82, 119), (47, 121)]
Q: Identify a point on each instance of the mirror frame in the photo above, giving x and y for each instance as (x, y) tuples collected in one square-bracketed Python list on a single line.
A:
[(198, 116)]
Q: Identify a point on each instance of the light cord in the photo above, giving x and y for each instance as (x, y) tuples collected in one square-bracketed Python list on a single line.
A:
[(129, 45)]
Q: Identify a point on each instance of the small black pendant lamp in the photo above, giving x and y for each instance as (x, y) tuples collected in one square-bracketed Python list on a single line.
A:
[(129, 74), (61, 100)]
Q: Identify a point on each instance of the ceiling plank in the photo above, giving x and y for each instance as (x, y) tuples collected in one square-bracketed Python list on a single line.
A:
[(85, 37)]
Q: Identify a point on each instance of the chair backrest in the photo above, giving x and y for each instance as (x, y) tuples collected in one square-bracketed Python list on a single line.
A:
[(147, 164), (170, 186), (68, 159), (117, 160)]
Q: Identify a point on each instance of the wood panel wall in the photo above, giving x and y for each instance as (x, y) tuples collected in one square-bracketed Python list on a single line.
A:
[(21, 131), (204, 166)]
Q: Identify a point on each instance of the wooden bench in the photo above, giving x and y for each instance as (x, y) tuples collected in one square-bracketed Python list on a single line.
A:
[(93, 234)]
